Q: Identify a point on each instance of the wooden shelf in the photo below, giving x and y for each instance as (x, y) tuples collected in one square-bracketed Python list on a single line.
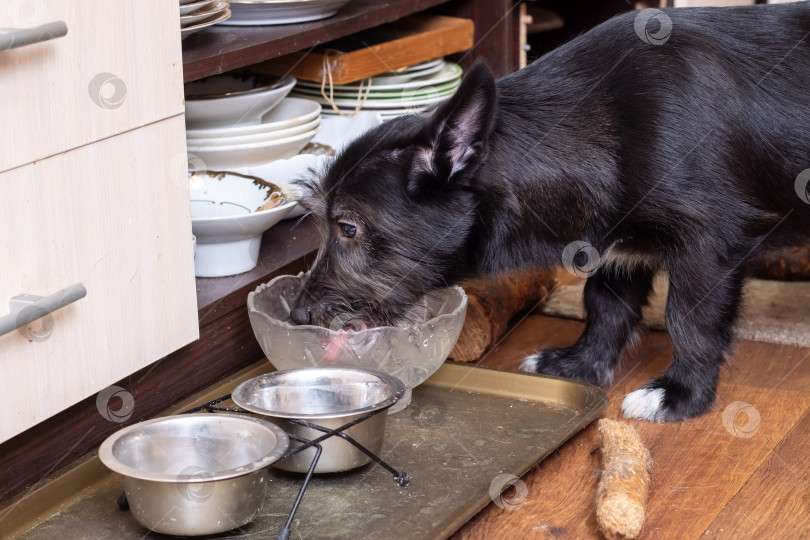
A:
[(224, 48), (284, 244)]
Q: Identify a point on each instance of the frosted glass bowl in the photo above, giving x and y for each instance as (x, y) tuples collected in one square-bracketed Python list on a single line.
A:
[(410, 353)]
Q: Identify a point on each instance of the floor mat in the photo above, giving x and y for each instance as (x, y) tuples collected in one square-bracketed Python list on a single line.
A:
[(773, 311)]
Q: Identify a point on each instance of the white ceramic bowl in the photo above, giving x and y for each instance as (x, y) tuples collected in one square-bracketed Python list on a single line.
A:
[(257, 137), (225, 221), (283, 172), (229, 157), (290, 112), (229, 100)]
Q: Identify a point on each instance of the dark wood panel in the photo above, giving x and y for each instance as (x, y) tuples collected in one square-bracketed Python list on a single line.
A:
[(224, 48), (497, 39)]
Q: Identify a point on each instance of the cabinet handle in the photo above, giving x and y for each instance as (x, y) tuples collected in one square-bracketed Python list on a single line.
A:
[(11, 38), (26, 308)]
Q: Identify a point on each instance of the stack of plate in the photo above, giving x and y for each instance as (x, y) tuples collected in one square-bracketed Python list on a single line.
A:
[(408, 91), (279, 134), (269, 12), (198, 14)]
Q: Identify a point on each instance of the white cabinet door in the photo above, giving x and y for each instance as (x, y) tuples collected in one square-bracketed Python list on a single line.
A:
[(114, 216), (119, 67)]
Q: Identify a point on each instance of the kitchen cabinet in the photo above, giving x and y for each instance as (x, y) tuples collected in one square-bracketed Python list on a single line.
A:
[(118, 68), (226, 343), (93, 190)]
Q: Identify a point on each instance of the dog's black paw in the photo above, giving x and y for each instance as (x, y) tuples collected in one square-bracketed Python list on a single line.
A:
[(569, 363), (667, 400)]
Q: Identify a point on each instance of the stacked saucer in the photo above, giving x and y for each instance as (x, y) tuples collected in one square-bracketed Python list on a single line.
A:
[(411, 90), (272, 12), (198, 14), (243, 120)]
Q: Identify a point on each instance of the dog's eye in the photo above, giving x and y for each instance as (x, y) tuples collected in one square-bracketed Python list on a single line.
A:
[(348, 229)]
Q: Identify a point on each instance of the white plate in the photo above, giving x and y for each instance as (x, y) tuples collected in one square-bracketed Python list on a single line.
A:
[(406, 76), (418, 67), (450, 72), (338, 131), (426, 90), (258, 13), (289, 113), (209, 12), (350, 104), (228, 243), (188, 30), (256, 137), (229, 157), (387, 114), (283, 172), (194, 5), (246, 108)]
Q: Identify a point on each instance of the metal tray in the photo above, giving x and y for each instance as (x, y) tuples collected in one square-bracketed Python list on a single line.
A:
[(466, 434)]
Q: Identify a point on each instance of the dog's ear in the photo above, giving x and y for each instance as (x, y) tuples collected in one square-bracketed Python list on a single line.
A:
[(458, 131)]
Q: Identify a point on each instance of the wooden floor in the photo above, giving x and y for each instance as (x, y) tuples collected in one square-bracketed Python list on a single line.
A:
[(707, 482)]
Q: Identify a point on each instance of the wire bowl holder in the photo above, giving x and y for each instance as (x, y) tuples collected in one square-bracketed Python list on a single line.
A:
[(401, 478)]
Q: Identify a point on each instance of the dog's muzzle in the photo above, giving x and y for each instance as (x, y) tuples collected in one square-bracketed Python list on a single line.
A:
[(301, 315)]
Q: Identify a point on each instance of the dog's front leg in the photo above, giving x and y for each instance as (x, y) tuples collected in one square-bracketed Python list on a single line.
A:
[(702, 306), (613, 300)]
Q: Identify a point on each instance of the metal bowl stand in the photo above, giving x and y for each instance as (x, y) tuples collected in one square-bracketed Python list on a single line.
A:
[(401, 478)]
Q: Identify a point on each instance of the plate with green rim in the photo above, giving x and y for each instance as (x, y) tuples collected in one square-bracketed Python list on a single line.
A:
[(427, 90), (450, 72), (378, 103)]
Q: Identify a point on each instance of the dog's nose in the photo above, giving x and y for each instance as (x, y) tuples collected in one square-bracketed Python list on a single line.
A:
[(301, 315)]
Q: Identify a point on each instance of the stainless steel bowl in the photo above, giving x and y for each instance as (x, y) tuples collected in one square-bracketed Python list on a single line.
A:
[(195, 474), (328, 397)]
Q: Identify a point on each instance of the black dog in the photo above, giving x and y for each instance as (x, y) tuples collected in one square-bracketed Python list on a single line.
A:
[(672, 142)]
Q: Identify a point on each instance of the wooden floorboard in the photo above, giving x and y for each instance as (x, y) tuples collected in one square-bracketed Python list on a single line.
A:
[(706, 480), (775, 502)]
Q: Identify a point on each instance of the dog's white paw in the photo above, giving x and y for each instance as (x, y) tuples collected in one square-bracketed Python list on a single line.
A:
[(644, 404), (529, 364)]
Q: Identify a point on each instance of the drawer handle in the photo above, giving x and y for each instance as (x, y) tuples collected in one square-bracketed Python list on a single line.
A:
[(26, 308), (11, 38)]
